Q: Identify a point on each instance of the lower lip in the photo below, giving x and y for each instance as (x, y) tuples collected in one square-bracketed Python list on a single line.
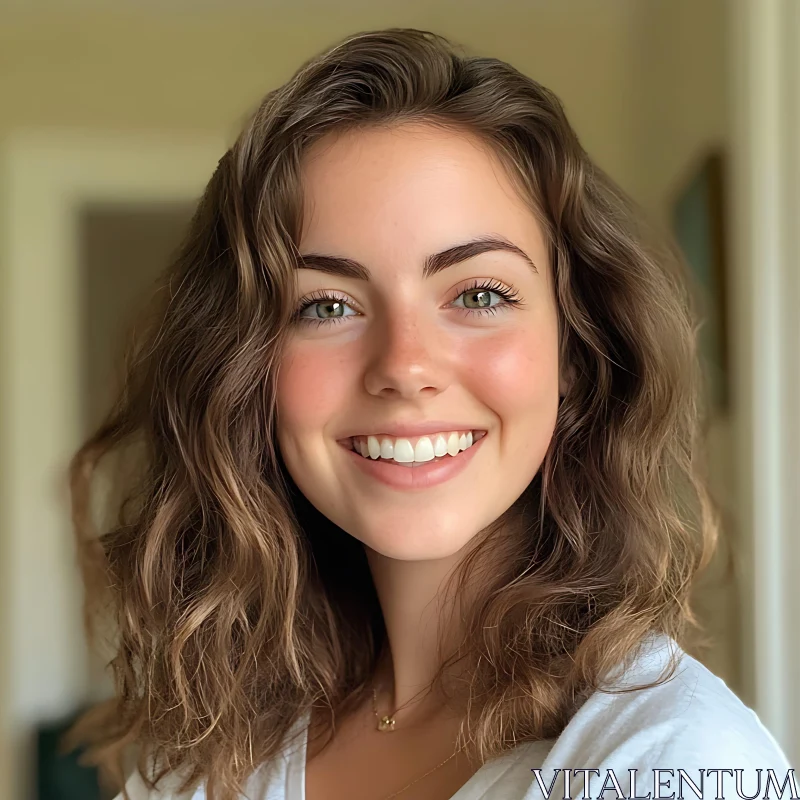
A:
[(425, 476)]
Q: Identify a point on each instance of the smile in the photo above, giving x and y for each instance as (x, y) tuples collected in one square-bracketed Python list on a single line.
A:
[(415, 450), (414, 462)]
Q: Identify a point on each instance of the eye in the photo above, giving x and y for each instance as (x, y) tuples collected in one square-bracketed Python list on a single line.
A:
[(478, 297), (323, 307), (326, 307)]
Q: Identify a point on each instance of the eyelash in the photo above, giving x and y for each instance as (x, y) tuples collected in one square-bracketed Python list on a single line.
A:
[(509, 295)]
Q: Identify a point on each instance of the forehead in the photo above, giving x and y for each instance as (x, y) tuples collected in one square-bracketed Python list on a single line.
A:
[(409, 186)]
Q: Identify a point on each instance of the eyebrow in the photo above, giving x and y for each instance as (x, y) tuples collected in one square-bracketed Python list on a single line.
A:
[(348, 268)]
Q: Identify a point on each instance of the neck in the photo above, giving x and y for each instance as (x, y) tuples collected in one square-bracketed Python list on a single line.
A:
[(418, 612)]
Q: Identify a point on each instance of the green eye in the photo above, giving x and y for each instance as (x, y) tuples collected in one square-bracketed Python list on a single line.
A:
[(321, 308), (477, 297), (480, 298), (324, 308)]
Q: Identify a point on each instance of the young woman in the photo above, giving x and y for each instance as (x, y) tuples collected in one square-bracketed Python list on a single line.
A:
[(419, 508)]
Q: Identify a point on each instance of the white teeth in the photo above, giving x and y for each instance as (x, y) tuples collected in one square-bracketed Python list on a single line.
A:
[(424, 450), (374, 447), (453, 444), (403, 451)]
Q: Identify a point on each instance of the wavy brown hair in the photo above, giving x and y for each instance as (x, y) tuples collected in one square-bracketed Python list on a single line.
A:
[(234, 606)]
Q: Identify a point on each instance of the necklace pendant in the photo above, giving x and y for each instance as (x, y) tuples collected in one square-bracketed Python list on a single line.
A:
[(386, 723)]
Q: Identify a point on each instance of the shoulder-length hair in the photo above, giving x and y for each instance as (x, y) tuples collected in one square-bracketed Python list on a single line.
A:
[(234, 605)]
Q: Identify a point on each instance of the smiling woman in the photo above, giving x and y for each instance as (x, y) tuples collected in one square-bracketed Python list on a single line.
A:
[(419, 302), (420, 426)]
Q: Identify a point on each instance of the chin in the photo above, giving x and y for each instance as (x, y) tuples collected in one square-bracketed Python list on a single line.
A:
[(411, 541)]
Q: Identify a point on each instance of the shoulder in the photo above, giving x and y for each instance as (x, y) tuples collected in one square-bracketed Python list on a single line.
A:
[(268, 782), (691, 719)]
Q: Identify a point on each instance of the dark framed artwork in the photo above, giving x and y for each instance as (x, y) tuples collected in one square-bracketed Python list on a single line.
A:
[(699, 225)]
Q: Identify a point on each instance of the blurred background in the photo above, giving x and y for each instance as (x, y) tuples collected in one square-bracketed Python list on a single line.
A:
[(113, 116)]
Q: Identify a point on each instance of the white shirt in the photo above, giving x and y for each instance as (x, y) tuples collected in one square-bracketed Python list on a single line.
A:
[(693, 723)]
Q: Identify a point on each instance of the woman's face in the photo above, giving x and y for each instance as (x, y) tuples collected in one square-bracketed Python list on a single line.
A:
[(427, 313)]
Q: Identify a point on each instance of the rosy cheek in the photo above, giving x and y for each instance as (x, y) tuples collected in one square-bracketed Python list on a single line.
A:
[(312, 386), (512, 371)]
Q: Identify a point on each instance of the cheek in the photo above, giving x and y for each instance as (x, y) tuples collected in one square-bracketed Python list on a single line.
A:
[(312, 385), (514, 373)]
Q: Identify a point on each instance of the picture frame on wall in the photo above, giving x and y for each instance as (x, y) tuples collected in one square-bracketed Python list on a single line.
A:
[(699, 226)]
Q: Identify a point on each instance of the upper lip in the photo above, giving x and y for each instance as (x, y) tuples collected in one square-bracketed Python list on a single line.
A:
[(413, 429)]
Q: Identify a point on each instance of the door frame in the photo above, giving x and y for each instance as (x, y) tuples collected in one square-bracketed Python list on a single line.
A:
[(764, 96)]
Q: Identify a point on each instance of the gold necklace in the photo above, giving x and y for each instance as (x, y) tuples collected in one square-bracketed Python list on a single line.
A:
[(409, 785), (387, 723)]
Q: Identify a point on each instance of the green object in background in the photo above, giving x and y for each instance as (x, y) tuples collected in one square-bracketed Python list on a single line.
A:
[(59, 775), (698, 218)]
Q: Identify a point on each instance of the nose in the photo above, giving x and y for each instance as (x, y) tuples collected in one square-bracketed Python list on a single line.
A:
[(408, 359)]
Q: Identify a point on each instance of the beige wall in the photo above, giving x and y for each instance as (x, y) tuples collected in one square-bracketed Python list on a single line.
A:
[(683, 103), (204, 70), (643, 83), (639, 80)]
